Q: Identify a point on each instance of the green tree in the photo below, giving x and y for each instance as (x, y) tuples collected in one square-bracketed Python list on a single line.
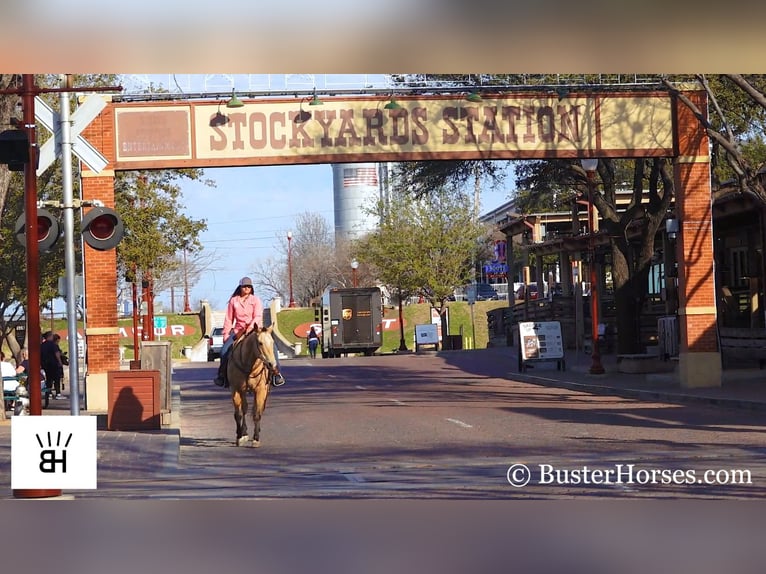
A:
[(735, 121), (156, 230), (424, 245), (389, 252)]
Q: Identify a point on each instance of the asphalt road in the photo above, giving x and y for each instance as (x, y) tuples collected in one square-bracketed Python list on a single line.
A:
[(448, 427)]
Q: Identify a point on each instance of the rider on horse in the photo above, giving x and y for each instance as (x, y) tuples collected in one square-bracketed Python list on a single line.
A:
[(244, 312)]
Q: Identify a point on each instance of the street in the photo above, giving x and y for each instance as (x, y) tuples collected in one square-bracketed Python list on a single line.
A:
[(444, 427)]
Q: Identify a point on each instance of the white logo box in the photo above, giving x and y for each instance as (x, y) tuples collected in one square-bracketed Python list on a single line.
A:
[(54, 452)]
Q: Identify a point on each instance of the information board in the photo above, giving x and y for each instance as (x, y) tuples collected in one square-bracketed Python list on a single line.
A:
[(541, 341), (426, 334)]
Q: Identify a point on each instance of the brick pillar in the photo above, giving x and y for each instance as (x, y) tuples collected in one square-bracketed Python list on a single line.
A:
[(699, 361), (100, 273)]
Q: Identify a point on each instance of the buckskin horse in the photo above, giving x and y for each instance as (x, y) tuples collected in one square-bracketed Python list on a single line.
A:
[(251, 366)]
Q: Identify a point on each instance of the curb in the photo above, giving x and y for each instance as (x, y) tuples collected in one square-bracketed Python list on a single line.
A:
[(643, 394)]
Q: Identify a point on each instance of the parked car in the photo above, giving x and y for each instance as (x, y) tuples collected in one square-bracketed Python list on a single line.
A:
[(485, 292), (215, 342)]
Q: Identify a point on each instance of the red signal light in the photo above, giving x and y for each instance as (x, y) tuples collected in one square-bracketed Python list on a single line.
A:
[(102, 228)]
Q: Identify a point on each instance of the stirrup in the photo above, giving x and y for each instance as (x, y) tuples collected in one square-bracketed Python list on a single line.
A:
[(277, 380)]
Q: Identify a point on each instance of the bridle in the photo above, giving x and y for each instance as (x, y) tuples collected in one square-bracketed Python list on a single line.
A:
[(246, 369)]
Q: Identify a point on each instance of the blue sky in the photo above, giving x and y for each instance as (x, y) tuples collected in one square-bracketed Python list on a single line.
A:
[(250, 211)]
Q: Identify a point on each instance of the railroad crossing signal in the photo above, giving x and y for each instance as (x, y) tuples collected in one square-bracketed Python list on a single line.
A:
[(51, 149), (47, 230), (102, 228)]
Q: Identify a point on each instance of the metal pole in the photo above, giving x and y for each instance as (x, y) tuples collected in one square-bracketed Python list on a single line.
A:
[(291, 304), (33, 253), (145, 324), (187, 306), (150, 307), (69, 253), (596, 368), (134, 287)]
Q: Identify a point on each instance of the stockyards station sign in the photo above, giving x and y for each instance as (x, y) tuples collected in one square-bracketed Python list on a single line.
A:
[(281, 131)]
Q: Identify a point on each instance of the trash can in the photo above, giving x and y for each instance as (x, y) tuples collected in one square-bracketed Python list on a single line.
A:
[(155, 355), (454, 342), (297, 348), (134, 400)]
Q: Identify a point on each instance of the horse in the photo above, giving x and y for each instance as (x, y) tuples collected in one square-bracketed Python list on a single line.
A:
[(250, 369)]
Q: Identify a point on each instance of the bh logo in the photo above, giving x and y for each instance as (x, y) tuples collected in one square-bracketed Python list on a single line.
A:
[(54, 452), (50, 457)]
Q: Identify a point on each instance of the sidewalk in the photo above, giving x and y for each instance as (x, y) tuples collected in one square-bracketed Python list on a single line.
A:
[(741, 388), (131, 456)]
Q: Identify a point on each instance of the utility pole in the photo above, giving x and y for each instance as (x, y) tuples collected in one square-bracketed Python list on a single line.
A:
[(69, 265), (187, 306)]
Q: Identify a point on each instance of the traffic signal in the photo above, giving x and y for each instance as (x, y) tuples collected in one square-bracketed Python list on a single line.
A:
[(14, 149), (47, 230), (102, 228), (491, 323)]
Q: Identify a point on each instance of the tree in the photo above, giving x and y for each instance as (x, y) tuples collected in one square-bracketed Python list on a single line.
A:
[(735, 127), (390, 250), (424, 245), (631, 231), (184, 269), (422, 177), (314, 261), (156, 230)]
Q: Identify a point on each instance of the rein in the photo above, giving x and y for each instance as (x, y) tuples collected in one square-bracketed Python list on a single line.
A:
[(242, 367)]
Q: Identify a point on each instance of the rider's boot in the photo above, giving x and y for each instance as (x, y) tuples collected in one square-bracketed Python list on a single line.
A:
[(221, 379)]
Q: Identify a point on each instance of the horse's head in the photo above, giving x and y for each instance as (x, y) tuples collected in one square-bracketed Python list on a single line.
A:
[(266, 348)]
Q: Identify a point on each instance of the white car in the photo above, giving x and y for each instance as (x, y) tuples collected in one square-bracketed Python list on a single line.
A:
[(215, 342)]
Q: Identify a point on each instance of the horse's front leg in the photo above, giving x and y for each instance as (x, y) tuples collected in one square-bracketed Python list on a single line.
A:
[(261, 394), (239, 398)]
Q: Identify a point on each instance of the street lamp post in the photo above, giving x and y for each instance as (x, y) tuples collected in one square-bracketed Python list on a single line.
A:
[(354, 266), (290, 268), (596, 368), (187, 305)]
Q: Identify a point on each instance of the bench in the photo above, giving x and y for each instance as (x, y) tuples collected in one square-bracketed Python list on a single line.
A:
[(742, 344)]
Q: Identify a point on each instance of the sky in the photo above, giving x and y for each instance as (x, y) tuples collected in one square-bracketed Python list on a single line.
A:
[(249, 213)]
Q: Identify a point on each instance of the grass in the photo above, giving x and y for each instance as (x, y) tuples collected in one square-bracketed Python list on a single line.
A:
[(418, 314), (289, 319), (177, 342)]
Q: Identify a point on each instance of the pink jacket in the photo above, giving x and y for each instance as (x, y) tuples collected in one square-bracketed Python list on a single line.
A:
[(242, 314)]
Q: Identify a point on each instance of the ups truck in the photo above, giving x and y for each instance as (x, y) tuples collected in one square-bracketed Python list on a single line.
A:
[(351, 321)]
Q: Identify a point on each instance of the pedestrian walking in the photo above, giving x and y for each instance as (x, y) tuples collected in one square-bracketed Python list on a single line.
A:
[(50, 361), (313, 341)]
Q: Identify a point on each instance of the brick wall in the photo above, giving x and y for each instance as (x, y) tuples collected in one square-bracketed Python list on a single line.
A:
[(694, 244), (102, 336)]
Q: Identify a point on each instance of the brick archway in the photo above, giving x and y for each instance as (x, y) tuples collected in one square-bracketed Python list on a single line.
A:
[(176, 134)]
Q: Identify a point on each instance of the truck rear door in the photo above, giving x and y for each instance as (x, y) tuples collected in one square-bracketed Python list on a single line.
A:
[(357, 320)]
